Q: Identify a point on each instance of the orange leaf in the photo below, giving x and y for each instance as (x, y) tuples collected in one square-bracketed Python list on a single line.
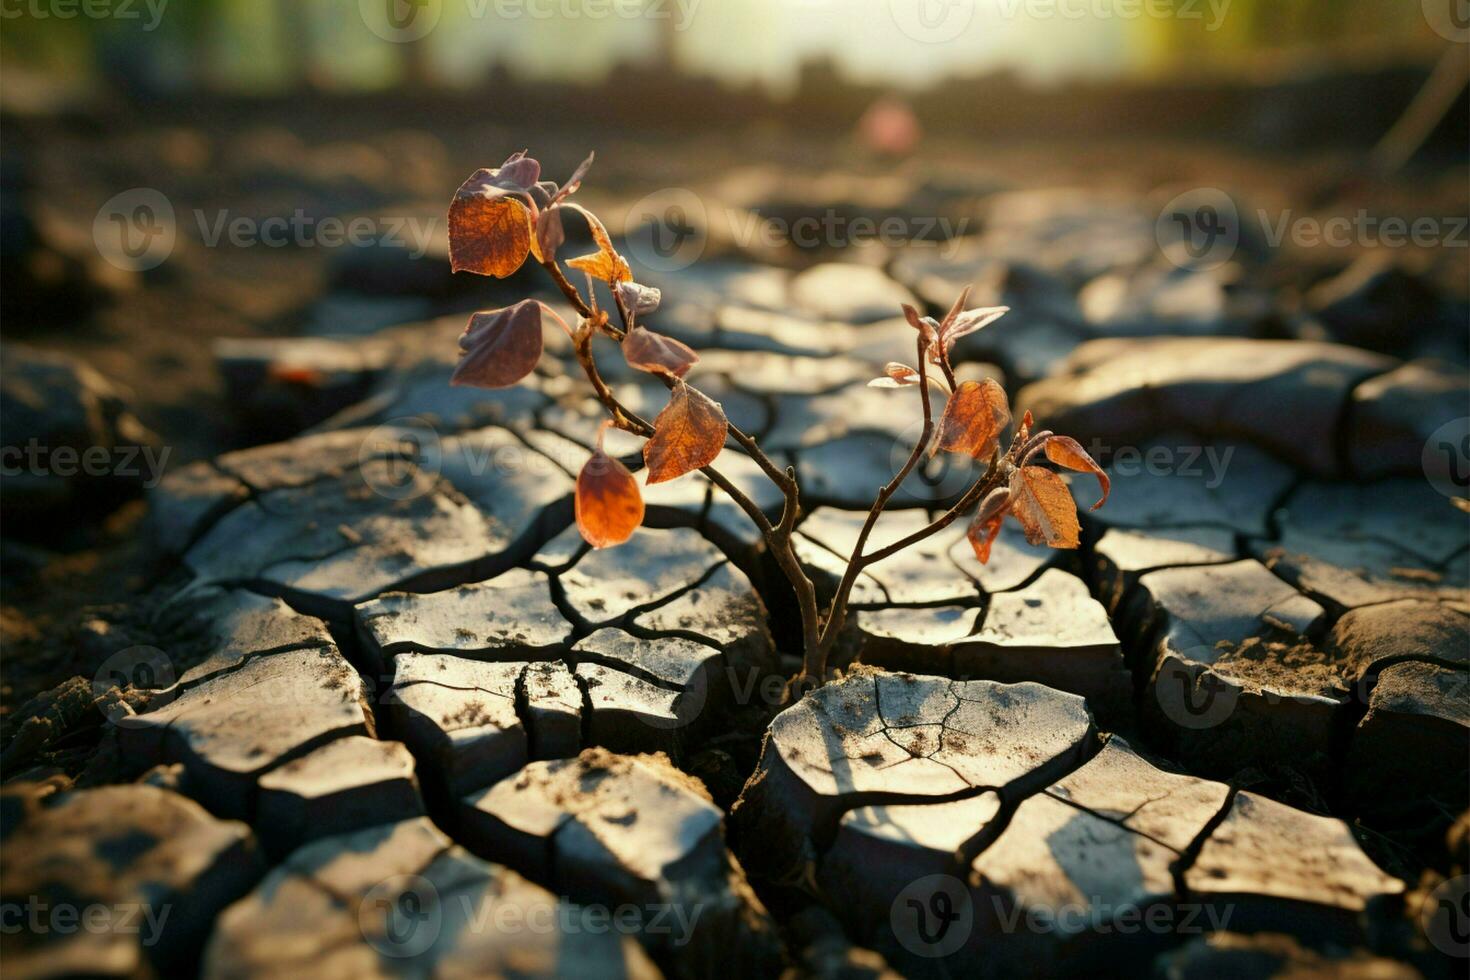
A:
[(609, 505), (489, 229), (605, 264), (1068, 452), (688, 434), (609, 267), (1041, 502), (974, 418), (657, 354), (500, 347), (986, 524)]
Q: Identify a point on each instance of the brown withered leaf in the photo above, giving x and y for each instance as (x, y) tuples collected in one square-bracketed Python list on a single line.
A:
[(688, 434), (489, 227), (1044, 506), (986, 524), (974, 418), (499, 347), (605, 263), (657, 354), (609, 506), (1068, 452)]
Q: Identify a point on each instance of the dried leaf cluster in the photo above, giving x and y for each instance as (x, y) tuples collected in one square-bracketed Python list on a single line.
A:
[(500, 218)]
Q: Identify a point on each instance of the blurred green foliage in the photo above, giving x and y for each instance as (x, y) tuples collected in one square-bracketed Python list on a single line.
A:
[(278, 44)]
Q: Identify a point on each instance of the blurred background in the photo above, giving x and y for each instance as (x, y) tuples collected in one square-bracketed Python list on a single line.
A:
[(196, 192)]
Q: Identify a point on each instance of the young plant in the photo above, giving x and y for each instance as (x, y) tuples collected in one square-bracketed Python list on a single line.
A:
[(500, 218)]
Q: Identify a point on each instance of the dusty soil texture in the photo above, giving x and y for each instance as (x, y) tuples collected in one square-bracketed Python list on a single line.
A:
[(333, 687)]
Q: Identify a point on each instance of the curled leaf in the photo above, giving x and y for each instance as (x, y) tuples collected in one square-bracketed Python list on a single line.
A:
[(605, 263), (549, 234), (1041, 502), (1068, 452), (574, 182), (609, 506), (639, 299), (657, 354), (519, 171), (958, 307), (986, 524), (925, 325), (687, 435), (499, 347), (1023, 433), (607, 266), (895, 375), (968, 321), (974, 418)]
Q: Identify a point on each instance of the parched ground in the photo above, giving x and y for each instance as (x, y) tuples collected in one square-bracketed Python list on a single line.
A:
[(370, 706)]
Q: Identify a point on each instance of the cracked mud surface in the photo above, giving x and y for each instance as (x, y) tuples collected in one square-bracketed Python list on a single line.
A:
[(402, 693)]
